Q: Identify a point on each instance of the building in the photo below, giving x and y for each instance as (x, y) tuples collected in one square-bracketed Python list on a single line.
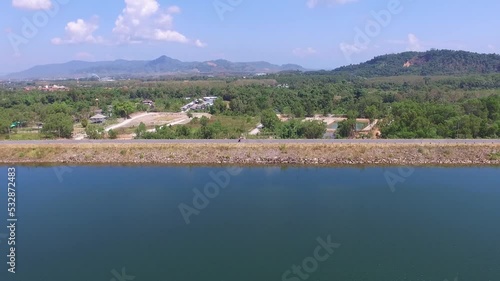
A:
[(97, 119), (149, 103)]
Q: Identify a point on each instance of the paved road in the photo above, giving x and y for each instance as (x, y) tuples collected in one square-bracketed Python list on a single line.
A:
[(470, 142)]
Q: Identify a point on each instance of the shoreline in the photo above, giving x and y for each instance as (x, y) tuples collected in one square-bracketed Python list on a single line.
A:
[(252, 154)]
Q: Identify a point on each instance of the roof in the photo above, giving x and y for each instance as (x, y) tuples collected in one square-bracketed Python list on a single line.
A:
[(98, 116)]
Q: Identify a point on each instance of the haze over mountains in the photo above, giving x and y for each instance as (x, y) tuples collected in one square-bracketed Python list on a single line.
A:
[(161, 66), (433, 62)]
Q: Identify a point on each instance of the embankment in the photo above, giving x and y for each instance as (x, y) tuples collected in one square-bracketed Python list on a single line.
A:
[(253, 154)]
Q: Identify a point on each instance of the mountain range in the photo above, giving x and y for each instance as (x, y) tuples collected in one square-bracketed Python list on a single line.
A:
[(430, 63), (161, 66)]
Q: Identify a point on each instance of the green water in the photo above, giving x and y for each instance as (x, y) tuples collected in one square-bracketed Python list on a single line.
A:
[(359, 126), (346, 224)]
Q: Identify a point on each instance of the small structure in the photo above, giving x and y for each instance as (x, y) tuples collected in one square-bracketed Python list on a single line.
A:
[(149, 103), (98, 118)]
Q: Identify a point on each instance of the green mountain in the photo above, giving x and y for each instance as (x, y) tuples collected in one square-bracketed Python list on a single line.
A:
[(430, 63)]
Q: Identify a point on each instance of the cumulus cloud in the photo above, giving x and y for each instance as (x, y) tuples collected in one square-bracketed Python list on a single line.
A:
[(145, 20), (314, 3), (414, 43), (80, 31), (32, 4), (300, 52)]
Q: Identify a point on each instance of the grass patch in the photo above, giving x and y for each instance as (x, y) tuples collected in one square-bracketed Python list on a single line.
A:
[(495, 156), (36, 153), (283, 148), (23, 136), (238, 122)]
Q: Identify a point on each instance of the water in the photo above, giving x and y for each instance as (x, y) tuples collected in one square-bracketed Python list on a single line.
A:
[(359, 126), (382, 224)]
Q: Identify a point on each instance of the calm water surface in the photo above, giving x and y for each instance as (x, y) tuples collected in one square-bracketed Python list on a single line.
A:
[(256, 224)]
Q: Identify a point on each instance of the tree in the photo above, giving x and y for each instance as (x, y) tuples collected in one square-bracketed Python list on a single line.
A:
[(124, 109), (371, 113), (219, 107), (352, 114), (346, 128), (112, 134), (269, 120), (58, 125), (287, 111), (4, 126), (207, 132), (359, 93), (95, 132), (298, 110), (313, 129), (204, 121), (190, 115), (289, 129), (85, 123), (183, 131), (140, 131), (309, 109)]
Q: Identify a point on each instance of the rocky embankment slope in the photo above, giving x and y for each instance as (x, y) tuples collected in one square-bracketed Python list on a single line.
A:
[(253, 154)]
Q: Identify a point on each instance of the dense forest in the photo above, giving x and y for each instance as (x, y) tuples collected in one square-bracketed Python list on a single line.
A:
[(432, 63)]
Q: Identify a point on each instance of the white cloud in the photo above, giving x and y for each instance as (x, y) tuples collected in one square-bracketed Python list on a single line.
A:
[(414, 43), (174, 10), (144, 20), (299, 52), (169, 35), (80, 31), (200, 44), (352, 48), (314, 3), (32, 4), (165, 20)]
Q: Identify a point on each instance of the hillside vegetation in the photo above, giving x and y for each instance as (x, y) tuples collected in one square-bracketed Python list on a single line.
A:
[(430, 63)]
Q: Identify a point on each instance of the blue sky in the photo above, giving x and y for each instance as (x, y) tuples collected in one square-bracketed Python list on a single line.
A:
[(317, 34)]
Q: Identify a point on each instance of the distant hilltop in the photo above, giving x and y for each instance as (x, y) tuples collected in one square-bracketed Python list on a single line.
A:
[(161, 66), (430, 63)]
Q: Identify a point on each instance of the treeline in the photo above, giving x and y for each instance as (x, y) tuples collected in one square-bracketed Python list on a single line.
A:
[(474, 118)]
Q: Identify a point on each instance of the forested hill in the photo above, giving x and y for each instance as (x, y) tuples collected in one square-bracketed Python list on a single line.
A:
[(434, 62)]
